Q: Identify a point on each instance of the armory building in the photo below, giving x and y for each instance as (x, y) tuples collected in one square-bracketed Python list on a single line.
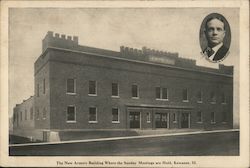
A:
[(85, 88)]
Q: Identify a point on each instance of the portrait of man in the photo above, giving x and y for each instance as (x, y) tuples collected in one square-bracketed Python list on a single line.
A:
[(215, 32)]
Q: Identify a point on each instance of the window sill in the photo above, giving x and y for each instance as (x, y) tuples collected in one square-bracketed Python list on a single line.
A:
[(115, 122), (199, 102), (93, 122), (92, 94), (199, 122), (224, 122), (175, 122), (186, 101), (70, 93), (213, 102), (223, 103), (162, 99), (70, 121), (148, 121), (213, 122), (135, 97), (115, 97)]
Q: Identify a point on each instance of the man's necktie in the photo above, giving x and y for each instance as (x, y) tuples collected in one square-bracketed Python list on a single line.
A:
[(209, 51)]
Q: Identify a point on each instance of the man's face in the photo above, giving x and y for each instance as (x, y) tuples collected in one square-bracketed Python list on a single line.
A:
[(215, 32)]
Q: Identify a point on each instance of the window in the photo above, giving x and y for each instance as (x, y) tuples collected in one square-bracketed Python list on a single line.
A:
[(148, 118), (31, 113), (92, 115), (185, 95), (115, 90), (71, 114), (212, 117), (37, 114), (115, 115), (224, 116), (174, 117), (71, 86), (212, 97), (135, 93), (161, 93), (21, 116), (25, 114), (199, 117), (199, 96), (158, 92), (44, 113), (223, 98), (37, 90), (92, 88), (44, 86)]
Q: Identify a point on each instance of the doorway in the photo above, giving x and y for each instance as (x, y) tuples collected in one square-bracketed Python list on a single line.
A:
[(184, 120), (134, 120), (161, 120)]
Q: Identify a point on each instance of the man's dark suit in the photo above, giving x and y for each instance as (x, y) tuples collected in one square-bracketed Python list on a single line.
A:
[(220, 53)]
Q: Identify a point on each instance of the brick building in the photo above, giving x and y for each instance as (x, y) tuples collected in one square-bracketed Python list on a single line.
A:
[(85, 88)]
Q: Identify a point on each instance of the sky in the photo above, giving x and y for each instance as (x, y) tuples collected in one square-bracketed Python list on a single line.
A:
[(167, 29)]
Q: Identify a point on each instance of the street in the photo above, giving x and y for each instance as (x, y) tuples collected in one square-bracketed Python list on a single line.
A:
[(212, 144)]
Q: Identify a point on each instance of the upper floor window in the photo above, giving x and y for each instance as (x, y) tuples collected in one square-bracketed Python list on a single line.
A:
[(21, 116), (31, 113), (135, 91), (37, 113), (212, 117), (199, 96), (212, 97), (92, 115), (71, 86), (92, 88), (223, 98), (44, 86), (185, 95), (71, 114), (25, 114), (161, 93), (199, 116), (115, 90), (115, 115)]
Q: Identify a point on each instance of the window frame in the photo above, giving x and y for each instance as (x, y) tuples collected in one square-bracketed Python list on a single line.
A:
[(137, 91), (118, 115), (212, 99), (224, 99), (185, 100), (148, 117), (213, 120), (201, 117), (199, 99), (71, 93), (92, 94), (71, 121), (175, 117), (115, 96), (96, 121)]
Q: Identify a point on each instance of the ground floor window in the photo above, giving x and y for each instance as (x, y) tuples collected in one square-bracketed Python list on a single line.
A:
[(92, 115), (115, 115), (174, 117), (212, 117), (71, 114), (148, 118), (199, 116)]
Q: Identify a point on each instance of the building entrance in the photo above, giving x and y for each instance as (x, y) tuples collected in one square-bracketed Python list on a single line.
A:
[(134, 119), (161, 120), (184, 120)]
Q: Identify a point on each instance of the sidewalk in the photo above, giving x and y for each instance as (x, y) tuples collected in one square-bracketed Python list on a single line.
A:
[(147, 134)]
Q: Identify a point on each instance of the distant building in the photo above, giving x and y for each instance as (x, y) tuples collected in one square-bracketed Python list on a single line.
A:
[(85, 88)]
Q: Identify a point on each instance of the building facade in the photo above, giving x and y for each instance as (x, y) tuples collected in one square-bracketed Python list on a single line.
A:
[(84, 88)]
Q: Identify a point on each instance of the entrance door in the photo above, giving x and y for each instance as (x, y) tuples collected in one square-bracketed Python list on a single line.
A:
[(134, 119), (184, 120), (161, 120)]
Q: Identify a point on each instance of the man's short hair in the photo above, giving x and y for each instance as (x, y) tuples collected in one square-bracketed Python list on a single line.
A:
[(215, 17)]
